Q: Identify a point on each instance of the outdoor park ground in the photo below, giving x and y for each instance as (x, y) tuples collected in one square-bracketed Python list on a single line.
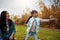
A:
[(43, 34)]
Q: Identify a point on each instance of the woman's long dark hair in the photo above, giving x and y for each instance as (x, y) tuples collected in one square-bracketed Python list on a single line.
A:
[(3, 21)]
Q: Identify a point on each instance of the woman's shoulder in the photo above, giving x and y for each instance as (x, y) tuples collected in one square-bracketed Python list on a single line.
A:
[(11, 21)]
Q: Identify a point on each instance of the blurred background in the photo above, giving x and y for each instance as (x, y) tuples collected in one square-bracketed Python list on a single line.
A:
[(20, 12)]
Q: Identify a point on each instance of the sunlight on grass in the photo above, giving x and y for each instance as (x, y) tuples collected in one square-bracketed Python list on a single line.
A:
[(42, 34)]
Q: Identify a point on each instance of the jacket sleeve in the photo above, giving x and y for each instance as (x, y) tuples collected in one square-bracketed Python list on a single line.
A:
[(0, 35), (13, 28)]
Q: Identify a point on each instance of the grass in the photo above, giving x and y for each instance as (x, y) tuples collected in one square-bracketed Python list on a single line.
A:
[(42, 34)]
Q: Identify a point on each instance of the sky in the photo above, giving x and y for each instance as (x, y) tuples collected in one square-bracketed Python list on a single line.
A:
[(17, 7)]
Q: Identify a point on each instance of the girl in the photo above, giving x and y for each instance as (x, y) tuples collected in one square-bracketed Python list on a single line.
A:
[(7, 26), (33, 26)]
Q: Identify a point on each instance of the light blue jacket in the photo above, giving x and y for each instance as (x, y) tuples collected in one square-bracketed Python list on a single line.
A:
[(30, 23)]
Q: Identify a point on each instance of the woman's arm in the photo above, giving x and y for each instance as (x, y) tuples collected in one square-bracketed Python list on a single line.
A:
[(13, 28), (13, 31)]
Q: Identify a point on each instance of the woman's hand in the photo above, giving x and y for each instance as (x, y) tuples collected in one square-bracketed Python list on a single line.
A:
[(11, 37)]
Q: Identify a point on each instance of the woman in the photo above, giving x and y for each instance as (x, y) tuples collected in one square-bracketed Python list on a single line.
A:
[(7, 26)]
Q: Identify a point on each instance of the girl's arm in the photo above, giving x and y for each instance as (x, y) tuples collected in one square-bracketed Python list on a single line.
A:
[(45, 20)]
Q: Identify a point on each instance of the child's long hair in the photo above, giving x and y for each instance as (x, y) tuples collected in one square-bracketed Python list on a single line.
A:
[(28, 19), (32, 12)]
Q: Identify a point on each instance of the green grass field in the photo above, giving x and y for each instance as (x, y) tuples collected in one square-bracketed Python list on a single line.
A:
[(42, 34)]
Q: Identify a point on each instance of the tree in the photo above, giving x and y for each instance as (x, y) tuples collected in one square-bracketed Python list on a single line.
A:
[(54, 12)]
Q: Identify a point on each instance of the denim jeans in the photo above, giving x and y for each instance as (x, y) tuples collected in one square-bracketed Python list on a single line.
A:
[(7, 38), (0, 35), (0, 38), (31, 34)]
